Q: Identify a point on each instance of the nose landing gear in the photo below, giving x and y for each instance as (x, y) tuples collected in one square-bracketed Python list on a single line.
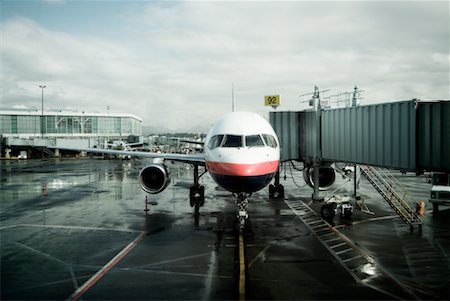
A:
[(242, 203)]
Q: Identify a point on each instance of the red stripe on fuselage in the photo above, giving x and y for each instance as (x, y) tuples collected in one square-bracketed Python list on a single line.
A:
[(242, 170)]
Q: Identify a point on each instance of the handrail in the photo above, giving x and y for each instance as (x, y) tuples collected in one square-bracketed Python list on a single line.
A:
[(395, 194)]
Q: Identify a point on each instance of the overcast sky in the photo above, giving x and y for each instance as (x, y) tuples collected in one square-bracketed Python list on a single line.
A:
[(173, 63)]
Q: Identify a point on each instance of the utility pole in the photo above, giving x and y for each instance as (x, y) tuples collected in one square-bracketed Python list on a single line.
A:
[(42, 114)]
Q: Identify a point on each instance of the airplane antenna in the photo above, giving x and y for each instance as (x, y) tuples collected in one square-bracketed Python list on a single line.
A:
[(232, 97)]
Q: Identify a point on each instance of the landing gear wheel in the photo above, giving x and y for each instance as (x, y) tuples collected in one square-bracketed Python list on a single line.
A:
[(197, 200), (276, 191), (197, 196), (242, 203), (327, 212)]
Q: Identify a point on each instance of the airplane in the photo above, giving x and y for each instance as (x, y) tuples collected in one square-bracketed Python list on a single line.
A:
[(120, 145), (241, 153)]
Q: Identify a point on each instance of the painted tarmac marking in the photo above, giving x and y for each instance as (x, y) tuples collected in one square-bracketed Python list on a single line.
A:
[(172, 273), (338, 245), (241, 266), (94, 279), (209, 278), (48, 256), (351, 258), (9, 227), (260, 254), (24, 288), (372, 220), (332, 231), (332, 239), (79, 228), (176, 259)]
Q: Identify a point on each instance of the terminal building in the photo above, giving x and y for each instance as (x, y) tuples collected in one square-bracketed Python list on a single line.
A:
[(25, 129)]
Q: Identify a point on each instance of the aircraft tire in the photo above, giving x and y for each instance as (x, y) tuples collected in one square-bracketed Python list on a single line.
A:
[(327, 212), (280, 190), (197, 196), (271, 191), (276, 192)]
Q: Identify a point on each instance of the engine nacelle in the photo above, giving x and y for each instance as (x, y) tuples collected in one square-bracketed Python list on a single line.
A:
[(154, 178), (327, 176)]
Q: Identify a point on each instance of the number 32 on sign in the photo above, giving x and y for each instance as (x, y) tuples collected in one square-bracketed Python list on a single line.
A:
[(272, 100)]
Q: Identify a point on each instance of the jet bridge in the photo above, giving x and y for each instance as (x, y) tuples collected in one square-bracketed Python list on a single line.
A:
[(406, 135)]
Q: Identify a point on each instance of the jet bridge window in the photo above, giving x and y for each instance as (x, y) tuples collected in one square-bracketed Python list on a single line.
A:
[(254, 141), (270, 140), (215, 141), (232, 141)]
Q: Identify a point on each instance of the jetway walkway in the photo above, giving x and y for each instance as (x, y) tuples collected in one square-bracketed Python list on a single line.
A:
[(407, 135), (394, 193)]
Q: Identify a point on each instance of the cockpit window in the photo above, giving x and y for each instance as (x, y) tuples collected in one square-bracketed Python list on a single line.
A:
[(253, 141), (232, 141), (270, 140), (215, 141)]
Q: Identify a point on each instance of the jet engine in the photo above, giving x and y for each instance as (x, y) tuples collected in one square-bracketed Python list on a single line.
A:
[(327, 176), (154, 178)]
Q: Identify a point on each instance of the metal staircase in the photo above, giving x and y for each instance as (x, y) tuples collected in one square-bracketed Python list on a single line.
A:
[(394, 193), (48, 152)]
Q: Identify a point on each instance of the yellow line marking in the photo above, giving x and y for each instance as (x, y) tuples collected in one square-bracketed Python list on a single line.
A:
[(241, 267)]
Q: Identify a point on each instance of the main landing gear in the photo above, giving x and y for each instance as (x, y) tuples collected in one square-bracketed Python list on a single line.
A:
[(197, 195), (276, 191)]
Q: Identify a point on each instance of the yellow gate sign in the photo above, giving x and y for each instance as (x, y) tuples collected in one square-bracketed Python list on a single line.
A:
[(272, 100)]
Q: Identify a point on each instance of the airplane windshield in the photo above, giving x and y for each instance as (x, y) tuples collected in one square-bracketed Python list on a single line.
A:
[(253, 141), (270, 140), (215, 141), (232, 141)]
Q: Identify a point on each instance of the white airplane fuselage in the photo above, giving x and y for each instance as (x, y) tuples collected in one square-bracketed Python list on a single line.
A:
[(242, 152)]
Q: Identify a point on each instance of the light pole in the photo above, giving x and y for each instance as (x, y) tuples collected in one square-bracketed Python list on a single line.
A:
[(42, 116)]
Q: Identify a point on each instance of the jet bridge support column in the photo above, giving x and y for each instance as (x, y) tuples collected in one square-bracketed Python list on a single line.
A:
[(356, 179), (316, 192), (318, 155)]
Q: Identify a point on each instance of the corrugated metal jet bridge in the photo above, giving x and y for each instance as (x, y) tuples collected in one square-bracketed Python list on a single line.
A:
[(406, 135)]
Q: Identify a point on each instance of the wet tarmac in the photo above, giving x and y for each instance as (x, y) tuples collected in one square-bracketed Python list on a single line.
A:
[(76, 229)]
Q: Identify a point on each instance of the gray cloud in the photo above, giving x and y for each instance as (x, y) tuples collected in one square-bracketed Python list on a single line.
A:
[(173, 63)]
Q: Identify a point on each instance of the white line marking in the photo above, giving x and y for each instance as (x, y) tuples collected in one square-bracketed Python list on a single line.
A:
[(94, 279), (79, 228), (175, 260), (50, 257)]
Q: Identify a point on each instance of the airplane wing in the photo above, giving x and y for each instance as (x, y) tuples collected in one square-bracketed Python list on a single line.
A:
[(186, 158), (134, 144), (192, 141)]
